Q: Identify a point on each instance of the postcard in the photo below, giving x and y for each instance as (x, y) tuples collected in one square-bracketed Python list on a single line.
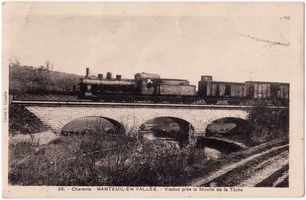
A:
[(153, 100)]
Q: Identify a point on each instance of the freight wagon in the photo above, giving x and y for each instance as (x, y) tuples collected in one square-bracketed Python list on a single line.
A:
[(248, 90)]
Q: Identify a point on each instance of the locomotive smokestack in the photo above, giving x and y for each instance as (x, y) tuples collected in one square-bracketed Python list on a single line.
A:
[(87, 71), (109, 75)]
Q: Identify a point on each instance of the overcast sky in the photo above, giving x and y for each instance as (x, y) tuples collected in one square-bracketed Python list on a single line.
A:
[(230, 47)]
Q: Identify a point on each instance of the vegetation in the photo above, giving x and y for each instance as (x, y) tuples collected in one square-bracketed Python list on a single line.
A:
[(113, 160), (40, 80), (100, 160), (23, 121), (268, 124)]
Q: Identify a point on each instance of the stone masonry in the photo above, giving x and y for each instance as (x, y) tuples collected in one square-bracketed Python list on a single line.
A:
[(131, 118)]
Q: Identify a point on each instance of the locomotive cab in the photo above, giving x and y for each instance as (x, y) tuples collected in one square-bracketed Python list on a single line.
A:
[(147, 83)]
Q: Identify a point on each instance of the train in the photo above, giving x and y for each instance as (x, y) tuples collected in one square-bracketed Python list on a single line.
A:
[(146, 87)]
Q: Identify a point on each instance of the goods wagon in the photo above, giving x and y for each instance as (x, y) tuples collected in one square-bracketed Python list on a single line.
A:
[(248, 90), (209, 88), (268, 90)]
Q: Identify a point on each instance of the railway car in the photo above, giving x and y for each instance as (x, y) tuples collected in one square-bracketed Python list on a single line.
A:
[(217, 89), (233, 92), (268, 90), (259, 90)]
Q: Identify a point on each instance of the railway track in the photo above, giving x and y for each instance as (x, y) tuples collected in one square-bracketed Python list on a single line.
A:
[(142, 99), (268, 168), (107, 104)]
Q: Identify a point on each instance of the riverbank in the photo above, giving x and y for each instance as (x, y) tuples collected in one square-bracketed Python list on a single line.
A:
[(41, 138)]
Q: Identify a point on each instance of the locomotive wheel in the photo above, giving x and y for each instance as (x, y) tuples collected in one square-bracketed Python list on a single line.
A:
[(137, 99), (211, 101), (172, 100), (200, 102), (233, 102), (188, 101), (129, 99), (107, 99), (154, 100)]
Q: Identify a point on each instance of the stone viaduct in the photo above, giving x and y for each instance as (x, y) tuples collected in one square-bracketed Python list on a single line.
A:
[(130, 116)]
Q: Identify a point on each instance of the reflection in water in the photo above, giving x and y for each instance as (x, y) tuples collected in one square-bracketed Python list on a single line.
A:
[(204, 153), (172, 131), (220, 128)]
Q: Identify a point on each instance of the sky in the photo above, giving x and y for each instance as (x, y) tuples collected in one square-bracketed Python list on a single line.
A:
[(229, 47)]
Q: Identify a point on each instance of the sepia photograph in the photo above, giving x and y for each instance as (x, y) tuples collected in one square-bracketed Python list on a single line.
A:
[(153, 99)]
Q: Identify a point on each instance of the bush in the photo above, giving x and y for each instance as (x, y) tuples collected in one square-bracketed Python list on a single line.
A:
[(268, 124), (126, 162)]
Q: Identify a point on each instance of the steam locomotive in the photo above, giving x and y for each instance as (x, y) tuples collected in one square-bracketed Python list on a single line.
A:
[(147, 87)]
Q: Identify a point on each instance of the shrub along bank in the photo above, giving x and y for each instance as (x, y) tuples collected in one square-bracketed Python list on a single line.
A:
[(268, 124)]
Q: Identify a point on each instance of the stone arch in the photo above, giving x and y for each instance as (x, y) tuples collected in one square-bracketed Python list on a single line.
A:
[(232, 125), (142, 120), (118, 123), (236, 114), (181, 135), (176, 118), (118, 127)]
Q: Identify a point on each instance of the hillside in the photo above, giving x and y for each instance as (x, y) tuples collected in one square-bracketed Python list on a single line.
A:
[(23, 121), (30, 80)]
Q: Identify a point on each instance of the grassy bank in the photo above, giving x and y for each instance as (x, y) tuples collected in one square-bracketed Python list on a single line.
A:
[(40, 80), (22, 121)]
